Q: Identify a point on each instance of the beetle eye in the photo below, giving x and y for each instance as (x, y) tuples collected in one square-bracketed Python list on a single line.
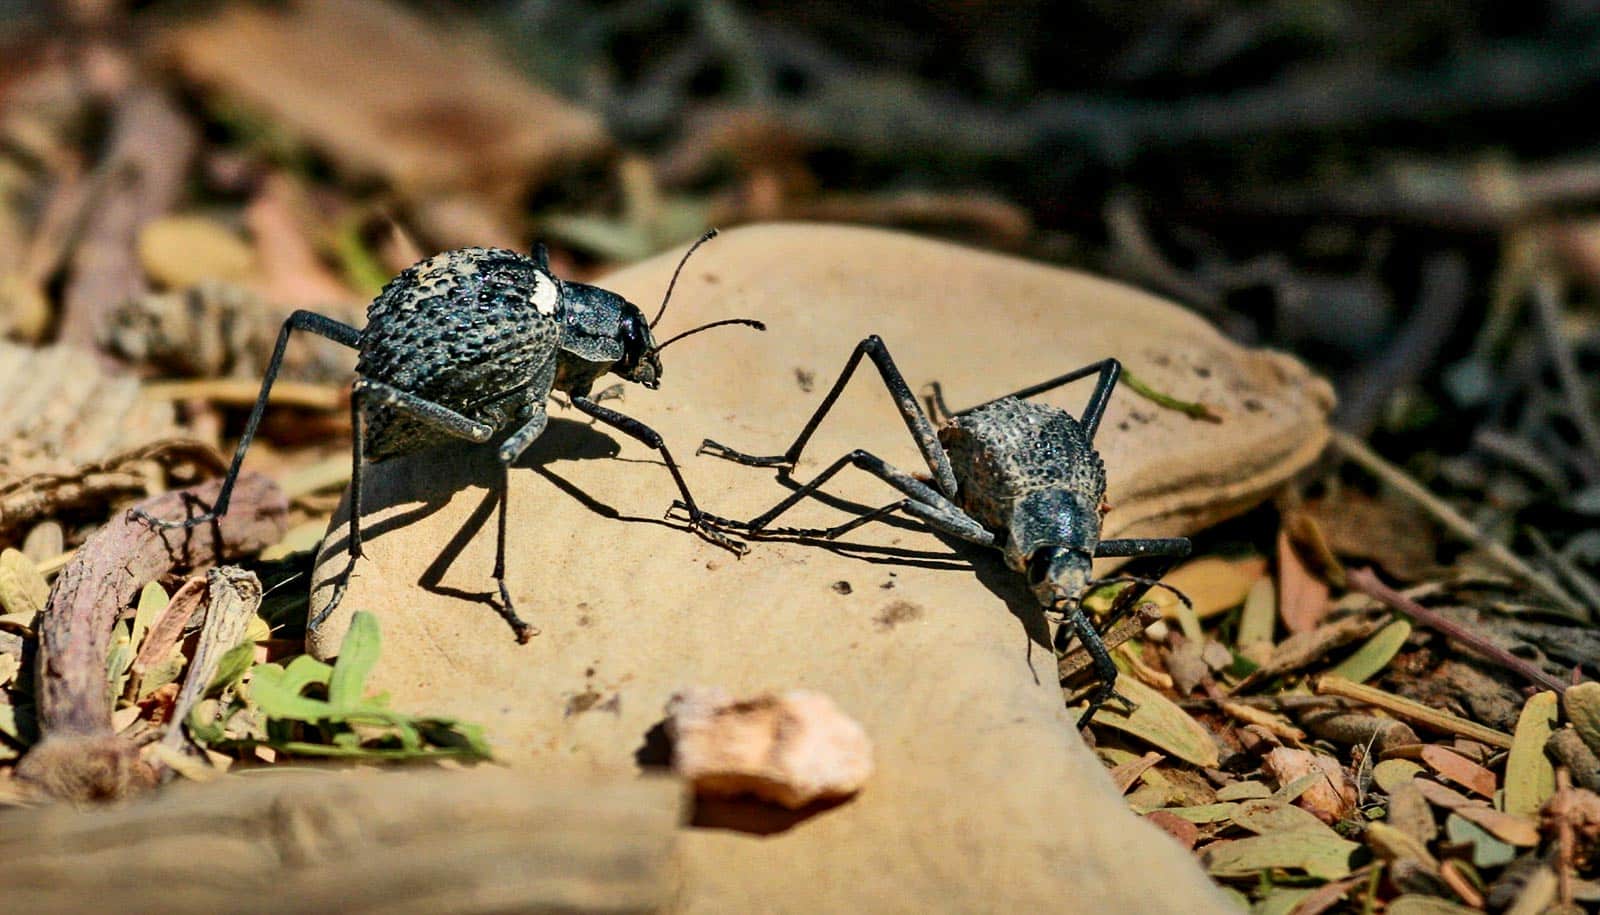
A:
[(1038, 567)]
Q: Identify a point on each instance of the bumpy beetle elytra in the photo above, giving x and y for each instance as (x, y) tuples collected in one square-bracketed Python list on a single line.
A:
[(468, 344), (1020, 477)]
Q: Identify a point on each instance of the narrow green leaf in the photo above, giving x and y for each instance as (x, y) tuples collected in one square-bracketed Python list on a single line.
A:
[(356, 657), (1205, 813), (1421, 904), (1375, 654), (1281, 900), (152, 600), (1271, 816), (1318, 854), (1530, 778), (1161, 723)]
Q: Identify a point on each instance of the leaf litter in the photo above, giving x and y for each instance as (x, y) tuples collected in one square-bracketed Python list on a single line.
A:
[(1323, 739)]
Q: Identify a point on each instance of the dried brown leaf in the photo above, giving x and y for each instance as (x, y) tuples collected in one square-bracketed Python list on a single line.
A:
[(1457, 768)]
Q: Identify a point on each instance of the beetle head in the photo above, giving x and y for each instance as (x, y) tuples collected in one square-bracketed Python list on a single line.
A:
[(1058, 574), (639, 362), (1053, 534)]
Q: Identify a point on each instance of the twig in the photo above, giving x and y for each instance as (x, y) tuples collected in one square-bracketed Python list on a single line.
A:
[(1414, 349), (1366, 581), (1191, 409), (1357, 450), (152, 143), (1077, 661), (1408, 710), (1547, 305), (242, 392), (79, 755)]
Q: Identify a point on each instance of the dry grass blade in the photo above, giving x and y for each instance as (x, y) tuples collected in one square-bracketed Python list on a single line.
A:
[(1414, 712)]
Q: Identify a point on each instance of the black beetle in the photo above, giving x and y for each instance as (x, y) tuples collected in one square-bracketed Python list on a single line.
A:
[(1020, 477), (469, 344)]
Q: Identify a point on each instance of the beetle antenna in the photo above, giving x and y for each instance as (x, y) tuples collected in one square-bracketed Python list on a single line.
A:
[(1139, 579), (748, 322), (710, 234)]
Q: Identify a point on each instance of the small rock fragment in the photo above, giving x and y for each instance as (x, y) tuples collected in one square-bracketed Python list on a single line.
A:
[(790, 748)]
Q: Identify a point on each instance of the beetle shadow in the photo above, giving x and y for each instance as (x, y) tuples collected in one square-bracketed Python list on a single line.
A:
[(427, 481)]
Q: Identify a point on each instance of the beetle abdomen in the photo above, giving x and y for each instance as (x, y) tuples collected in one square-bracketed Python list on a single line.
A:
[(458, 329), (1007, 449)]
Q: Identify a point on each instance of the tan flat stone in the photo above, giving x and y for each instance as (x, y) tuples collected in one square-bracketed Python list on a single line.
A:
[(984, 797)]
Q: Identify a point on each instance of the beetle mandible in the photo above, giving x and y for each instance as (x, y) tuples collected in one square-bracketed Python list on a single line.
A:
[(468, 344), (1010, 474)]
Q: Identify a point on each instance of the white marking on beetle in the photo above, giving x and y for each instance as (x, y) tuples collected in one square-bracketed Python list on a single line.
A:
[(544, 295)]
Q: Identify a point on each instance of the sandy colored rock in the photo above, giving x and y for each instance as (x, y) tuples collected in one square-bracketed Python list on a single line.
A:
[(791, 748), (984, 798)]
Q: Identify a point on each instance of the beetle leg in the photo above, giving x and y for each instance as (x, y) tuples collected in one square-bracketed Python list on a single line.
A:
[(925, 503), (308, 321), (1109, 369), (916, 420), (652, 439), (1078, 623)]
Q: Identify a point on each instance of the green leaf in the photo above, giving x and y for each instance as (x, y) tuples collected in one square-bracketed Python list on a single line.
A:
[(1375, 654), (120, 658), (152, 601), (1244, 791), (1161, 723), (356, 657), (1204, 813), (277, 692), (1530, 778), (1420, 904), (1583, 708), (1281, 900), (232, 668), (1318, 854), (1271, 815), (1487, 850)]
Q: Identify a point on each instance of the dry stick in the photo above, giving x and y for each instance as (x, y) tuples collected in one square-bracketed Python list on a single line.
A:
[(152, 144), (1365, 581), (1415, 712), (1356, 450), (78, 754), (242, 392), (1547, 305)]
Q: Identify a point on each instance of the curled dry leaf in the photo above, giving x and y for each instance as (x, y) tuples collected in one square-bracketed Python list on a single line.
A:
[(791, 748), (22, 589), (1302, 597), (1330, 797)]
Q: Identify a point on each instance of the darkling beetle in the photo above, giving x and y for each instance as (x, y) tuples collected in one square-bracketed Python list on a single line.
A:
[(468, 344), (1020, 477)]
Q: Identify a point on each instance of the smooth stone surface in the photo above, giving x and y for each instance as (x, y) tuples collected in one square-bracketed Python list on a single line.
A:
[(984, 797)]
